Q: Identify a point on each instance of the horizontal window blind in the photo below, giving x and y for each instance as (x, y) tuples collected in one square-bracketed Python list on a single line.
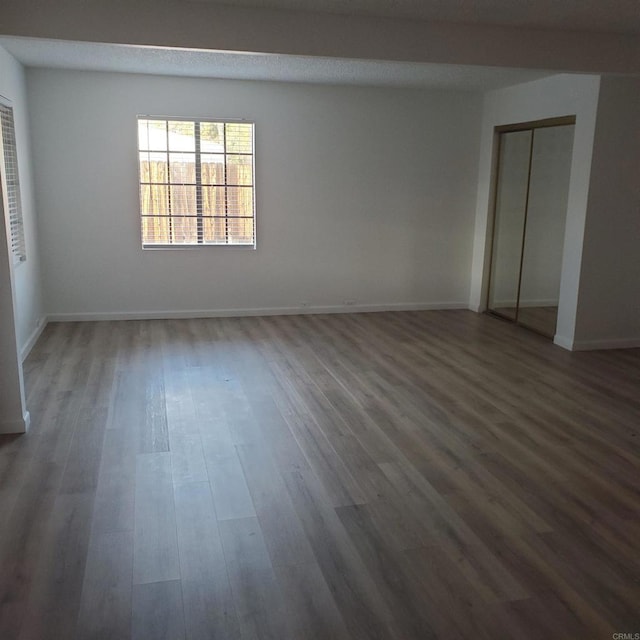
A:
[(12, 182), (196, 182)]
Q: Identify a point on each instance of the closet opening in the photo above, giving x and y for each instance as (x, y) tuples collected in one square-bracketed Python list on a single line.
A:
[(530, 210)]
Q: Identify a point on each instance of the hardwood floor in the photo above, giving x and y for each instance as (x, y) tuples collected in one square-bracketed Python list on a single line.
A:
[(381, 476)]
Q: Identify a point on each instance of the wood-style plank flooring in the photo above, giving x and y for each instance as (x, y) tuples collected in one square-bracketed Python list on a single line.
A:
[(402, 476)]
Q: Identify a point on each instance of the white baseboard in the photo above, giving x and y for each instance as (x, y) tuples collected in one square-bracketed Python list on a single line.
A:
[(563, 342), (16, 426), (263, 311), (33, 338), (595, 345), (616, 343)]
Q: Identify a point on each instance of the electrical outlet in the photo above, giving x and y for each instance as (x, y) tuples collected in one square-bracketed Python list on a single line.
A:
[(349, 302)]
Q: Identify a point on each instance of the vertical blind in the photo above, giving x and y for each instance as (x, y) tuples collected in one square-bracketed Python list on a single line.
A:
[(12, 184), (196, 182)]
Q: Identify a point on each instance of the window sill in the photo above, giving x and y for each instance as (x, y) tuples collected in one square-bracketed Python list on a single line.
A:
[(156, 247)]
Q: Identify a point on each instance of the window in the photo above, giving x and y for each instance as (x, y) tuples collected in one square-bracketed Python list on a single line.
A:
[(11, 183), (196, 182)]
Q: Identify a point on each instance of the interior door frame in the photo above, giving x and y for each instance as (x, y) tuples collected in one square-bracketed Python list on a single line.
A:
[(531, 125), (14, 417)]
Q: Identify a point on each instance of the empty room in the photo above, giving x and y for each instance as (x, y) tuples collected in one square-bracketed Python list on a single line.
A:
[(319, 320)]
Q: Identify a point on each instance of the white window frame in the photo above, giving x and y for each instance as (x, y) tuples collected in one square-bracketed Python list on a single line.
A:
[(10, 182), (199, 245)]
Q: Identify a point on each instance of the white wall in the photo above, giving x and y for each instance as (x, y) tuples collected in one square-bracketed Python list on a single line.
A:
[(363, 194), (29, 311), (609, 300), (556, 96)]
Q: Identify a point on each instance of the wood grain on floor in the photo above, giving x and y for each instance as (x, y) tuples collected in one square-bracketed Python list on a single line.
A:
[(387, 476)]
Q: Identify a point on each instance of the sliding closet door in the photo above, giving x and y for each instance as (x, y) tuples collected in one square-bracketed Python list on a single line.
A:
[(509, 224), (544, 228)]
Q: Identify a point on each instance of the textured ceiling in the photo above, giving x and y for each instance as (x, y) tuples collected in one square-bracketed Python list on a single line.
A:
[(621, 16), (214, 64)]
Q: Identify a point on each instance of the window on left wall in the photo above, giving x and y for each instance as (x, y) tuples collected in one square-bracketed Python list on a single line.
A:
[(11, 183), (196, 182)]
